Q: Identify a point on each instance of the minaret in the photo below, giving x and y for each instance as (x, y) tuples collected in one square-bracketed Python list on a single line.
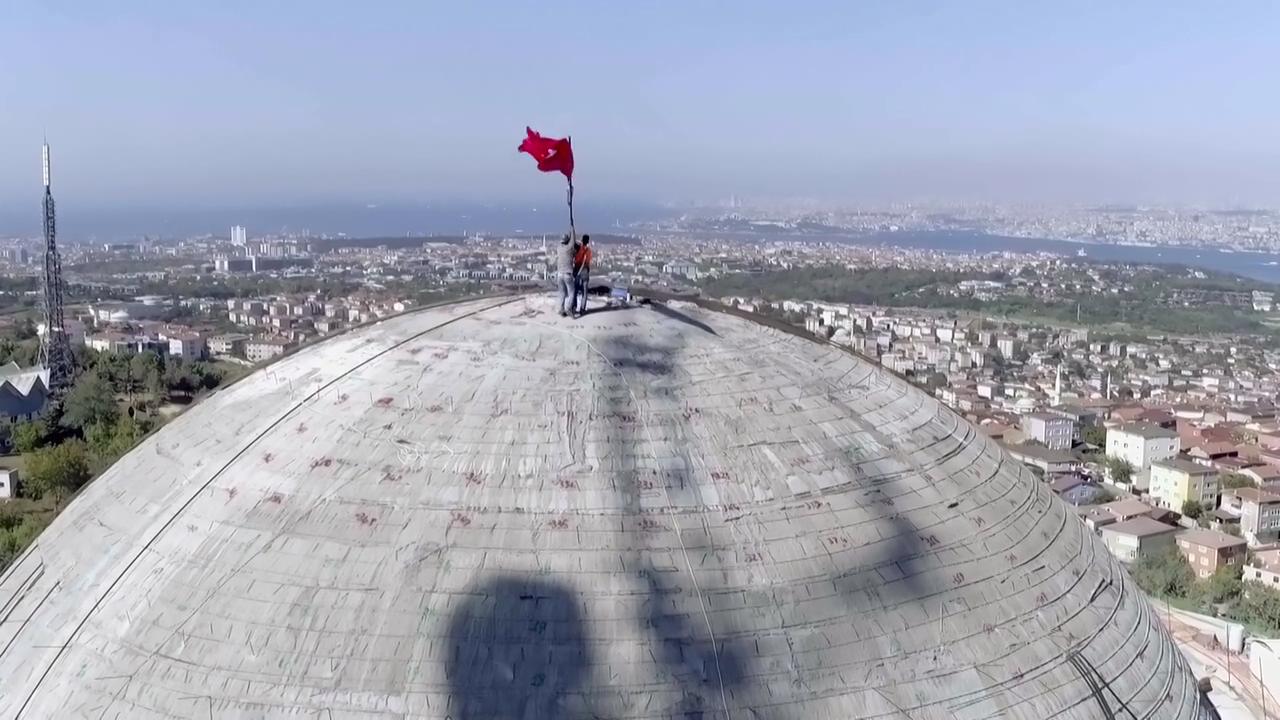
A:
[(1057, 387), (55, 350)]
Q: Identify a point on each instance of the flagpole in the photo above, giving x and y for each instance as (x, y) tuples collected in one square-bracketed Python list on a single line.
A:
[(572, 231), (569, 177)]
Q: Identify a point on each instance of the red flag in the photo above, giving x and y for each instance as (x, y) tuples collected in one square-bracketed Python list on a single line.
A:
[(552, 154)]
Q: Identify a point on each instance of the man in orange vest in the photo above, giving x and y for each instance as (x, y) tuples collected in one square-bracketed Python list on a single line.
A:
[(581, 276)]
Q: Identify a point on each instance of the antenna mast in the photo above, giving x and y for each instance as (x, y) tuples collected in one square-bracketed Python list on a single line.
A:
[(55, 350)]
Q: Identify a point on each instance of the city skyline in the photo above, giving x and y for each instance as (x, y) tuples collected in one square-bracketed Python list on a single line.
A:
[(187, 107)]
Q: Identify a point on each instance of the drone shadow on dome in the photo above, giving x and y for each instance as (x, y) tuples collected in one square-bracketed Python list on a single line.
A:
[(517, 649)]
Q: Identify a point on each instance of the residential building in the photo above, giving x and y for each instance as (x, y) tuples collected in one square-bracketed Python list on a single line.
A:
[(1263, 569), (232, 264), (260, 349), (1095, 517), (1053, 431), (1176, 481), (23, 393), (1267, 476), (1080, 417), (325, 326), (1140, 444), (1075, 489), (1007, 346), (8, 483), (1208, 550), (229, 344), (1129, 509), (1259, 513), (1049, 461), (190, 347), (1140, 537), (112, 342)]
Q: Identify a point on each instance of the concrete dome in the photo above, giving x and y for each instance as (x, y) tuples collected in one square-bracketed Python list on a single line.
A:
[(483, 510)]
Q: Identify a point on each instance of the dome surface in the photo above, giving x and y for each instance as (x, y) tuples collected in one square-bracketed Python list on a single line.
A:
[(482, 510)]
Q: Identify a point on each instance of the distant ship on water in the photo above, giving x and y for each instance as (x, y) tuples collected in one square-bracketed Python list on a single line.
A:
[(1081, 253)]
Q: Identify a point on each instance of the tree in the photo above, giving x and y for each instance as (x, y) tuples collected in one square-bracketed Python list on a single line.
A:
[(155, 385), (1095, 435), (107, 443), (1232, 481), (210, 376), (112, 367), (1164, 573), (17, 536), (180, 379), (58, 471), (1261, 605), (28, 435), (90, 401), (1119, 470), (141, 366), (25, 330), (9, 519), (1224, 585), (1191, 508)]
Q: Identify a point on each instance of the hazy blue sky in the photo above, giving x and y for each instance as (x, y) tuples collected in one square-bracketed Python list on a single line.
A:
[(271, 102)]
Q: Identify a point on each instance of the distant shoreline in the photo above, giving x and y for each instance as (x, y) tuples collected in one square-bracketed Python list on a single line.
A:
[(1254, 265)]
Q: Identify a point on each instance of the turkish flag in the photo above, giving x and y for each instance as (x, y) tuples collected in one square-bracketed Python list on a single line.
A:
[(552, 154)]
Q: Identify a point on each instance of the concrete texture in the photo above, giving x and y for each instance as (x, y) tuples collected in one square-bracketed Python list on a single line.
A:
[(486, 511)]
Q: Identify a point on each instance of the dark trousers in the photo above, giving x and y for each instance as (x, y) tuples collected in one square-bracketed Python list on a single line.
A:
[(580, 283)]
